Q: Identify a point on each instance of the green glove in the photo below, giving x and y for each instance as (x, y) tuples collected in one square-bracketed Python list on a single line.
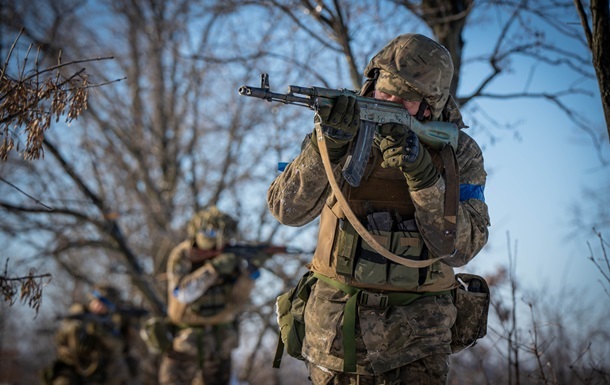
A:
[(340, 121), (401, 148), (225, 263)]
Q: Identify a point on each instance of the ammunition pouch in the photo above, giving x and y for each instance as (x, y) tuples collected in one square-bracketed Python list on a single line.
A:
[(290, 311), (471, 299), (158, 334), (359, 262)]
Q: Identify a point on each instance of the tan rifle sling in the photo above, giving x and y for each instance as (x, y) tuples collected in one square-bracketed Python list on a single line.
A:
[(451, 205)]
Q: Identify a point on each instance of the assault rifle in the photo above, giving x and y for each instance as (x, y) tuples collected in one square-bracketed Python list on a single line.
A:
[(249, 253), (373, 113), (129, 312)]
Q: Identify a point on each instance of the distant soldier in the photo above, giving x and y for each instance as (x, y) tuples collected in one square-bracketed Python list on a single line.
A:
[(207, 289), (93, 343)]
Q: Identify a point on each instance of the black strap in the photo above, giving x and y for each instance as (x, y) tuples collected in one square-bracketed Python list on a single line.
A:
[(452, 196)]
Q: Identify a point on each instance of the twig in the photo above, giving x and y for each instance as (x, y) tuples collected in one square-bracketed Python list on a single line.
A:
[(26, 194)]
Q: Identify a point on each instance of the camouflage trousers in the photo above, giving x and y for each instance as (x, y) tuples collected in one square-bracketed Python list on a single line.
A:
[(431, 370), (200, 356), (386, 337)]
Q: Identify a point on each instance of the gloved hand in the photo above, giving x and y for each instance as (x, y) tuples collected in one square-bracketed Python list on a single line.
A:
[(340, 121), (401, 148), (225, 263), (195, 284)]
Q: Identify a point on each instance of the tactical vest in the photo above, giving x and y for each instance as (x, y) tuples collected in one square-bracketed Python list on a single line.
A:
[(87, 342), (342, 255), (220, 304)]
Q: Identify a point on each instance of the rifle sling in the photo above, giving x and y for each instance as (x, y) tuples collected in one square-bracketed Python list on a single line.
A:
[(351, 217)]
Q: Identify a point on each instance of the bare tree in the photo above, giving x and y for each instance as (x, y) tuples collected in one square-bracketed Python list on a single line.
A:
[(596, 26), (118, 185), (536, 337), (602, 263), (116, 188)]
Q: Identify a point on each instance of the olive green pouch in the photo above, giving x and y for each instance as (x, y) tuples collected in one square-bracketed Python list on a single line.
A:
[(371, 268), (409, 245), (471, 299), (290, 312), (158, 334), (347, 243)]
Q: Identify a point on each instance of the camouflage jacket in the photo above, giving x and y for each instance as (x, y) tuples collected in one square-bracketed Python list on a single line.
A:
[(384, 340), (226, 297), (299, 193), (89, 342)]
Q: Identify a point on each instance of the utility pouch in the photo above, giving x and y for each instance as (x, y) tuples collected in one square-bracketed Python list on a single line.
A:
[(471, 298), (290, 311), (371, 267), (409, 245), (347, 242), (157, 334)]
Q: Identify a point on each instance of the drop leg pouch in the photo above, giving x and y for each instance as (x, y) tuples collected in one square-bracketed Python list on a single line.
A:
[(471, 298)]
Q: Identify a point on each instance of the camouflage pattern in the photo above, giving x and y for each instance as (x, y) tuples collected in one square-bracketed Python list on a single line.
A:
[(211, 228), (387, 338), (91, 349), (413, 64), (415, 373), (201, 349), (473, 216), (200, 356), (472, 301), (393, 85), (416, 337), (297, 196), (221, 303)]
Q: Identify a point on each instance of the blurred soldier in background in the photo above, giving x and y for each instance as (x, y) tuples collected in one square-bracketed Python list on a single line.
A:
[(93, 342), (207, 289)]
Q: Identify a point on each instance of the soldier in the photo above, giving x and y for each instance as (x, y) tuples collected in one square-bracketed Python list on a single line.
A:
[(369, 320), (207, 290), (93, 343)]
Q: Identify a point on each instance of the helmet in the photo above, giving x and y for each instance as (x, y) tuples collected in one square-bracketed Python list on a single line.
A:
[(211, 228), (413, 67)]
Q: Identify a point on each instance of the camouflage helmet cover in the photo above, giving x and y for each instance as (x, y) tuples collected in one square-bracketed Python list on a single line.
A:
[(412, 65), (212, 224)]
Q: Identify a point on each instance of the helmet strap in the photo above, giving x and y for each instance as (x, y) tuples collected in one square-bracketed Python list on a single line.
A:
[(423, 106), (369, 84)]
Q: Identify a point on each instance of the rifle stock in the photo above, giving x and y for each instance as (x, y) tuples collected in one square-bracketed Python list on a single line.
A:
[(373, 113)]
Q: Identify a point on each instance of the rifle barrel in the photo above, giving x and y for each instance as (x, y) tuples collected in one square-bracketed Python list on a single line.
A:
[(269, 96)]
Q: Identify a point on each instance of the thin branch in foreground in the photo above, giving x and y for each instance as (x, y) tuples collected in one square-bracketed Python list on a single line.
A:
[(26, 194), (29, 286)]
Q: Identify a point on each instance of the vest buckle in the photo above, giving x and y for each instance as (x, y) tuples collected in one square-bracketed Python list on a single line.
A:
[(372, 299)]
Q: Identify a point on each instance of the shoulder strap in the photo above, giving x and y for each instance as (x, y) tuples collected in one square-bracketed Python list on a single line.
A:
[(351, 217), (452, 198)]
